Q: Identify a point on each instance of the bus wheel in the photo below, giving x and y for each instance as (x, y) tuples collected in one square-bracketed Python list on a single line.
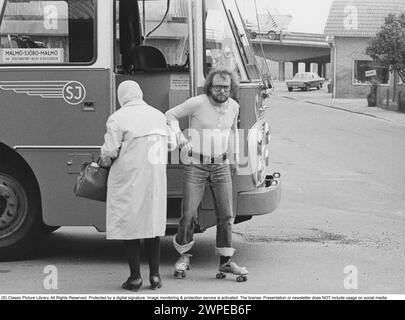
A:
[(19, 212)]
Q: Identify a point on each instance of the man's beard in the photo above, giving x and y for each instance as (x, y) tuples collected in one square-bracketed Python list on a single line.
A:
[(220, 99)]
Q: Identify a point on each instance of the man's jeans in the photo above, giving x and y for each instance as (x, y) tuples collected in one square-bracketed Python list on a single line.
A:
[(195, 178)]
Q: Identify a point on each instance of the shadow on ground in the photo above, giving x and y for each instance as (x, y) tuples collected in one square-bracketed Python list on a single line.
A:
[(91, 246)]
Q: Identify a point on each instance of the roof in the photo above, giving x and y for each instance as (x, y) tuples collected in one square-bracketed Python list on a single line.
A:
[(360, 18)]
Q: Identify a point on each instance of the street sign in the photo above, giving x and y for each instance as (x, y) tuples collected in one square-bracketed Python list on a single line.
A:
[(371, 73)]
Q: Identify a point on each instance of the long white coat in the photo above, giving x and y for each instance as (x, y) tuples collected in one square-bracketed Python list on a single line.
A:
[(137, 141)]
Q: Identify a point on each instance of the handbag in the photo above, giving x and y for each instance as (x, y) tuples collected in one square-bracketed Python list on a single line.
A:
[(92, 182)]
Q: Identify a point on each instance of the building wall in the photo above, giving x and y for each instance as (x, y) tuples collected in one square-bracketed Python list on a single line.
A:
[(349, 49)]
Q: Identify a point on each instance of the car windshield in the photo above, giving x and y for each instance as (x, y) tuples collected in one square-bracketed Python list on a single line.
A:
[(304, 76)]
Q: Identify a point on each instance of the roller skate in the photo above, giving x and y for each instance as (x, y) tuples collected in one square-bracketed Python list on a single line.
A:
[(232, 268), (181, 266)]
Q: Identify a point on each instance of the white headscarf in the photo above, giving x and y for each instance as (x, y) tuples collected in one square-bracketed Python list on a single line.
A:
[(130, 94), (144, 119)]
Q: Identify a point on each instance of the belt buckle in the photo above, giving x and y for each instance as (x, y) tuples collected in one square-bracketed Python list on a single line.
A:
[(212, 160)]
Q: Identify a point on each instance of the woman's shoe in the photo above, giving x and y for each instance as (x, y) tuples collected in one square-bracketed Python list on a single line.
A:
[(155, 282), (132, 284)]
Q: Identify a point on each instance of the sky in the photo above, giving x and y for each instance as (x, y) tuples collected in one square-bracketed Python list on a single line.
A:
[(308, 15)]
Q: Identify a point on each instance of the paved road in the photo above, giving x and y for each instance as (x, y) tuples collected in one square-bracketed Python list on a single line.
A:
[(343, 204)]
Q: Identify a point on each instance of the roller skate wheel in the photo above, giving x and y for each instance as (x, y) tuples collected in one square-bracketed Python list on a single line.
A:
[(179, 274), (241, 279), (221, 275)]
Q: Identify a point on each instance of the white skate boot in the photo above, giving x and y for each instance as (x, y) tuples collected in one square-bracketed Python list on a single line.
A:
[(231, 267), (181, 266)]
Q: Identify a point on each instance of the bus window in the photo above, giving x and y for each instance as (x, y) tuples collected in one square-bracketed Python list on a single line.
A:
[(48, 32), (221, 48), (152, 35), (168, 33)]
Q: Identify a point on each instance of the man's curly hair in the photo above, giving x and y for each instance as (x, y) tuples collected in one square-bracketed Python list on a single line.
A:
[(223, 73)]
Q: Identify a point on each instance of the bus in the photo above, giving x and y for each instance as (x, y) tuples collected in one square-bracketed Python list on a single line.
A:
[(61, 62)]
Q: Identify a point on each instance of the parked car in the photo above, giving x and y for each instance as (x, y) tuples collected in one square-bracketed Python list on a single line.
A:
[(305, 81)]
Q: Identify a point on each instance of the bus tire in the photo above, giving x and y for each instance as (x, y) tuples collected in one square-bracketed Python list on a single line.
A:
[(20, 212)]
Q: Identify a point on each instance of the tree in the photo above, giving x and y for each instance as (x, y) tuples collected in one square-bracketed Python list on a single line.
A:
[(388, 46)]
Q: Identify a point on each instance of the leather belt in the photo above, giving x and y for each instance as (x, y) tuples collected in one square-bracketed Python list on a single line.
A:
[(209, 160)]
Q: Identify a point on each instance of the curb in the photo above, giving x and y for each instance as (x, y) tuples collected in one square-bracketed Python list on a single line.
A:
[(341, 109)]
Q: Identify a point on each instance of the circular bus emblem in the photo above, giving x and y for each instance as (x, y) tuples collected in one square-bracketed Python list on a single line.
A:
[(74, 92)]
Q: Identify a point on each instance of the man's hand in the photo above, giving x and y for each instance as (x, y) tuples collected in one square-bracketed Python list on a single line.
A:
[(186, 148)]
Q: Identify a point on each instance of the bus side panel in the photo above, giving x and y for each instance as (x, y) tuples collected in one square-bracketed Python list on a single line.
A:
[(60, 206), (31, 116), (50, 133)]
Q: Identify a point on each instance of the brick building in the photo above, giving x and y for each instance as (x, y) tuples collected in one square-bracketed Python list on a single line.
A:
[(350, 26)]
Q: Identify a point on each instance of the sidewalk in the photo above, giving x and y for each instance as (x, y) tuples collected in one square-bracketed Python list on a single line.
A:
[(323, 98)]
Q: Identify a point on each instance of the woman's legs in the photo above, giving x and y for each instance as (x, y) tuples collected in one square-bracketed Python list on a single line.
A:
[(132, 250), (152, 247), (133, 253)]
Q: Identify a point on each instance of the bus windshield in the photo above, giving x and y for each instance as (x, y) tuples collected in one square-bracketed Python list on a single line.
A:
[(226, 43)]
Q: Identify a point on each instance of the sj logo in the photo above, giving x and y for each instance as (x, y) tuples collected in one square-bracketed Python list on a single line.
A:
[(74, 92)]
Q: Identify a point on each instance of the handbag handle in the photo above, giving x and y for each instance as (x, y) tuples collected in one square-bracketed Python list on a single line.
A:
[(101, 166)]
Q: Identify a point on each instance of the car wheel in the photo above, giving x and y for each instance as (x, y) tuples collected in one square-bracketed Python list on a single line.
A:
[(289, 89), (272, 35), (306, 87)]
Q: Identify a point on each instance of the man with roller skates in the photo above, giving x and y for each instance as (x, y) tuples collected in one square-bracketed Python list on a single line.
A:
[(212, 156)]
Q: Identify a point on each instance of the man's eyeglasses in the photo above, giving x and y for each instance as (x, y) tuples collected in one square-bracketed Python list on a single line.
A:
[(219, 88)]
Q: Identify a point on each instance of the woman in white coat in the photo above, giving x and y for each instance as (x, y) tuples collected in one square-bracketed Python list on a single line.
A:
[(136, 147)]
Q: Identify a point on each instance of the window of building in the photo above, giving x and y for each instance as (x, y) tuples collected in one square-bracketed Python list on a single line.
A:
[(40, 32), (365, 71)]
